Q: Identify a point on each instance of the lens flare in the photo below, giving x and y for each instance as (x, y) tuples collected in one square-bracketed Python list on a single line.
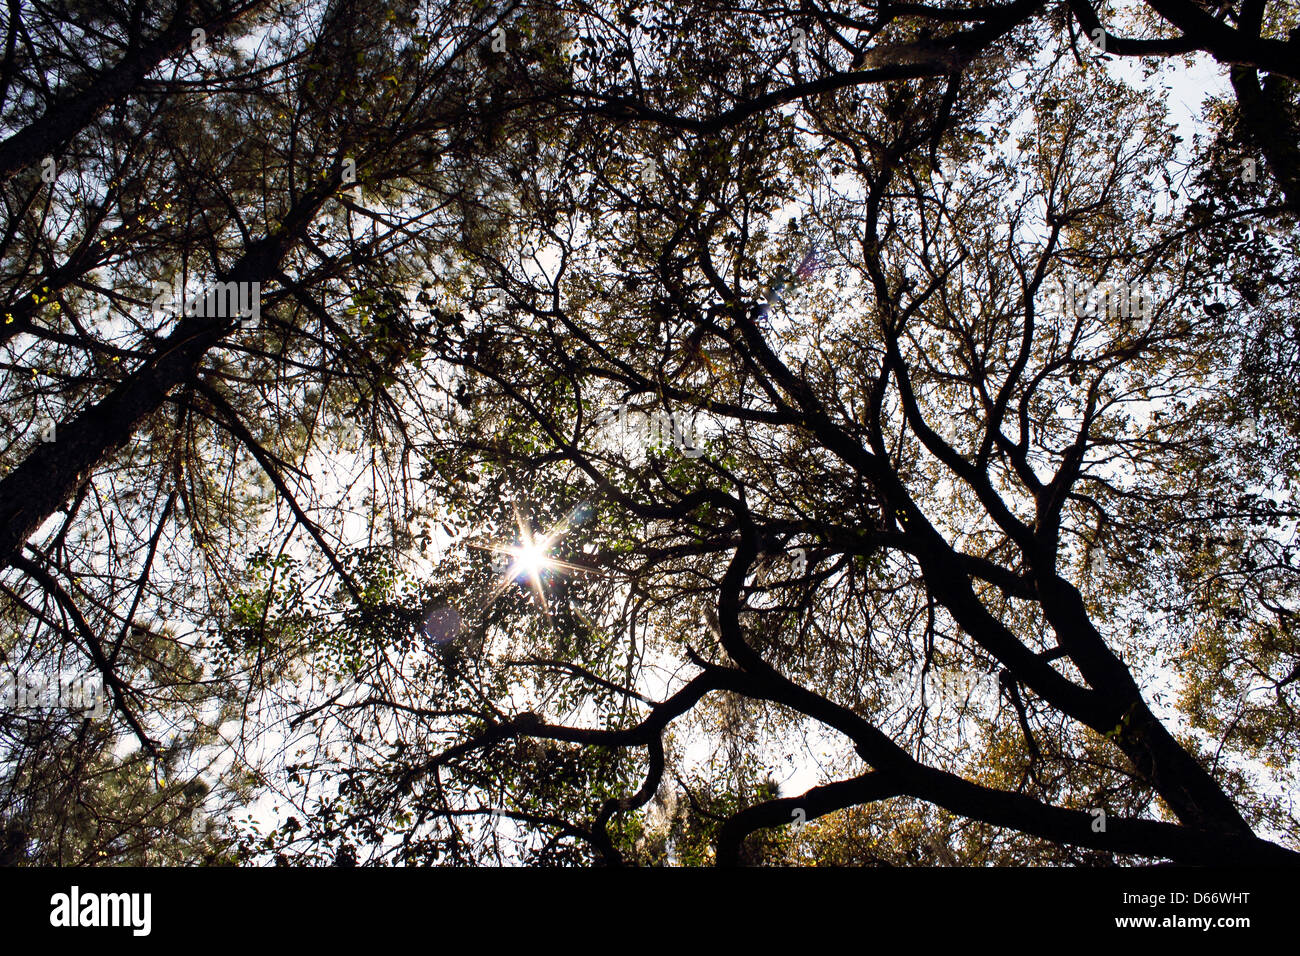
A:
[(531, 559)]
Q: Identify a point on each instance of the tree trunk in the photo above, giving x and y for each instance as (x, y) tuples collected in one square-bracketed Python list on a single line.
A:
[(65, 119), (51, 474)]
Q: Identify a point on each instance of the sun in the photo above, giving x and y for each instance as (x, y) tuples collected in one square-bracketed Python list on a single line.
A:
[(531, 559)]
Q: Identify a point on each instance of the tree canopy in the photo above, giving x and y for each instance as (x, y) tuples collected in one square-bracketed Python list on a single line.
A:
[(686, 433)]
